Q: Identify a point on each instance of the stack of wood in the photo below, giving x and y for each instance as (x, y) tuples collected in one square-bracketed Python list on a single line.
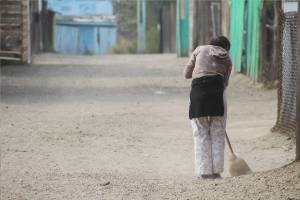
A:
[(14, 30)]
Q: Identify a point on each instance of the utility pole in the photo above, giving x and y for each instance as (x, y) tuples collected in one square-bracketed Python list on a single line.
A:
[(298, 92), (141, 26)]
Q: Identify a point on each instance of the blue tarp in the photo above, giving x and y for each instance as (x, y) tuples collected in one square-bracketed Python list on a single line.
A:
[(81, 7)]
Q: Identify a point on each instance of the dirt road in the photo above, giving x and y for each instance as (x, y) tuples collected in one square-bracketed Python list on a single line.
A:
[(116, 127)]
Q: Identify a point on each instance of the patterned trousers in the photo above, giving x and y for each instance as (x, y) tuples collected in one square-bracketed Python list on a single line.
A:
[(209, 143)]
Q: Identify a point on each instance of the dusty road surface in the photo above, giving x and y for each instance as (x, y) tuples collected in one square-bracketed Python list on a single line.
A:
[(116, 127)]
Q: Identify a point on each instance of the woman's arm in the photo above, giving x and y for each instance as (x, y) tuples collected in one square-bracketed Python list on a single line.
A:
[(188, 70), (227, 75)]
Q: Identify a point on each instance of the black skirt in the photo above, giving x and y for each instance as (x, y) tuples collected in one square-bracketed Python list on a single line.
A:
[(206, 97)]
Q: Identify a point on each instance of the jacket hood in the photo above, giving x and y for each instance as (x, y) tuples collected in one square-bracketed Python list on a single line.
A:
[(218, 52)]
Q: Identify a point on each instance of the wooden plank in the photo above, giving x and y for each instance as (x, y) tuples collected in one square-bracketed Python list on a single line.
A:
[(9, 58), (16, 8), (298, 94), (11, 37), (24, 21), (10, 52), (25, 57), (10, 25), (25, 54), (25, 41), (10, 3), (9, 31), (24, 35), (11, 20), (10, 17), (7, 12)]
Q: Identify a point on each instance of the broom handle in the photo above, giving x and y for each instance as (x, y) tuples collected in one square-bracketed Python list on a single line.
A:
[(229, 144)]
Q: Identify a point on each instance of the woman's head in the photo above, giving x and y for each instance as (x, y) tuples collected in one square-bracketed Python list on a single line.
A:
[(220, 41)]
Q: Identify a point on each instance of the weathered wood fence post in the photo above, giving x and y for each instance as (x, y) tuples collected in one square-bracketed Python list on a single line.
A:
[(298, 92)]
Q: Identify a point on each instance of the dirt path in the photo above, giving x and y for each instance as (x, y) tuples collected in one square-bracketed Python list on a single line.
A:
[(73, 124)]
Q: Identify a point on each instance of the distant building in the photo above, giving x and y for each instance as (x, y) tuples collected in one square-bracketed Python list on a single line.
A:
[(290, 5), (80, 8), (84, 26)]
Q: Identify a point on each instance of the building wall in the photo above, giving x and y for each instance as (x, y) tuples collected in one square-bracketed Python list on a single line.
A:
[(84, 26), (87, 39)]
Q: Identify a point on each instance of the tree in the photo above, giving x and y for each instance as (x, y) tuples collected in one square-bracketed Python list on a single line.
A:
[(126, 16)]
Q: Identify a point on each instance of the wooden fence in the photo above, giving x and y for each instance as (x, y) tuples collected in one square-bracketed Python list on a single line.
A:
[(14, 30)]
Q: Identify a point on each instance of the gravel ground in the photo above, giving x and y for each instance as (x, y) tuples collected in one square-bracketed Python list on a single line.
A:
[(116, 127)]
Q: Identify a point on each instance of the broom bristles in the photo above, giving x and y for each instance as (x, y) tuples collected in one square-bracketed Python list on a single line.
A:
[(238, 166)]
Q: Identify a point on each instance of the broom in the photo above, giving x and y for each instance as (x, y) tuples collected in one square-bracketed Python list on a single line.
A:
[(237, 166)]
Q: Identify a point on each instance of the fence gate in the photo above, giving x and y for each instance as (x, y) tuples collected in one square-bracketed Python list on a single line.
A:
[(14, 30)]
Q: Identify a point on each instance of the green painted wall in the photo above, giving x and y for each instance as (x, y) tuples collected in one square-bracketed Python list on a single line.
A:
[(245, 15), (182, 27), (252, 39), (237, 10)]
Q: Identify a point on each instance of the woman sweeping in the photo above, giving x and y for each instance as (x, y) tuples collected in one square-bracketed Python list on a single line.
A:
[(210, 68)]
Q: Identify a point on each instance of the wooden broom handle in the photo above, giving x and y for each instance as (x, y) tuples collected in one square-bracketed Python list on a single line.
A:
[(229, 144)]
